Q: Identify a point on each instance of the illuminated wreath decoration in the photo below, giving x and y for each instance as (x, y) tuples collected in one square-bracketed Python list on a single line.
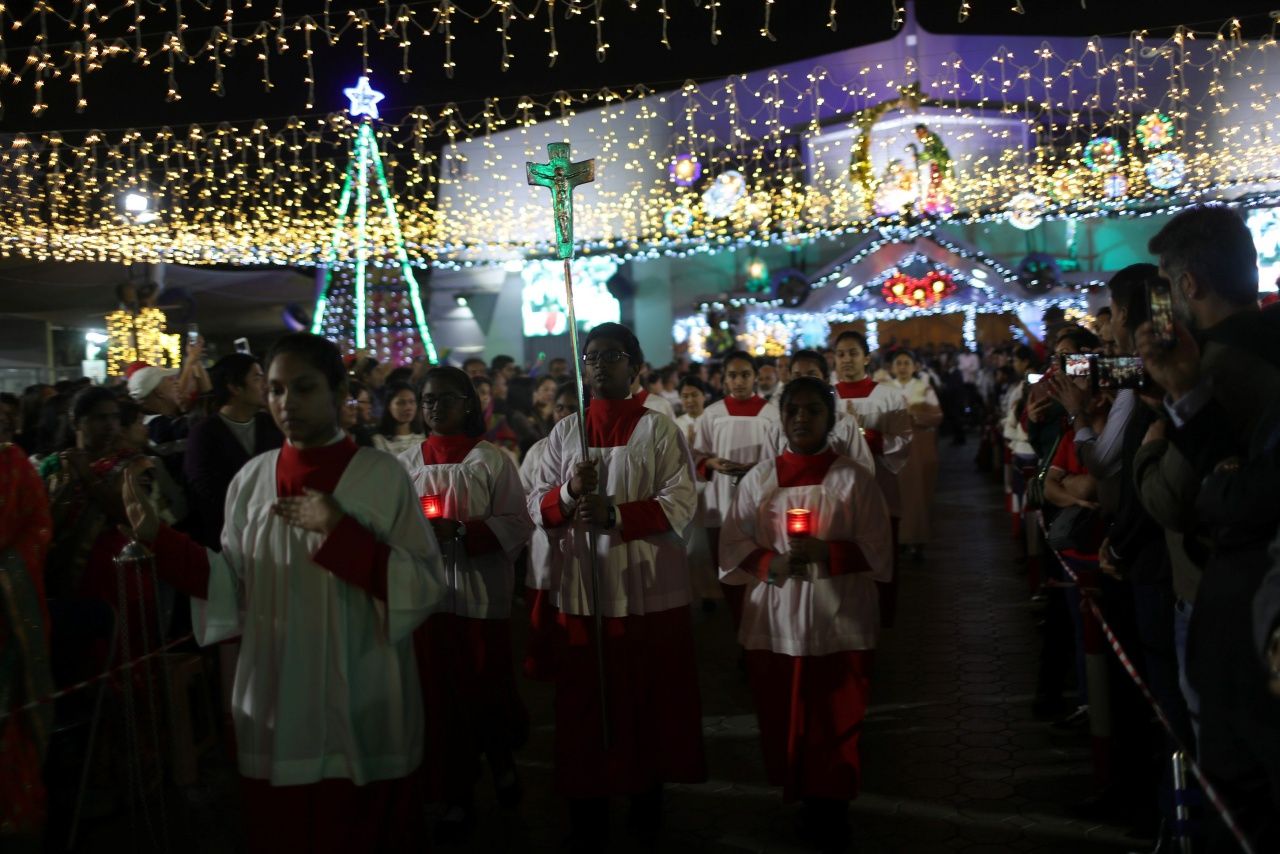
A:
[(1103, 154), (1156, 130), (922, 292)]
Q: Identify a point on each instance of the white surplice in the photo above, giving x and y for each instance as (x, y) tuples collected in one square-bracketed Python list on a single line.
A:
[(829, 614), (739, 438), (325, 683), (484, 486), (638, 576), (884, 410)]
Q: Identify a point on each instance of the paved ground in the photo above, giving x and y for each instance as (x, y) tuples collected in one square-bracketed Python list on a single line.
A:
[(952, 759)]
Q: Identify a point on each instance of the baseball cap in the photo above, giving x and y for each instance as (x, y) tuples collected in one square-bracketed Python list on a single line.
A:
[(144, 378)]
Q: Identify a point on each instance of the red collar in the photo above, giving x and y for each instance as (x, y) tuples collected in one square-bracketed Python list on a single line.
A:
[(804, 469), (313, 468), (641, 395), (610, 423), (862, 388), (749, 407), (446, 450)]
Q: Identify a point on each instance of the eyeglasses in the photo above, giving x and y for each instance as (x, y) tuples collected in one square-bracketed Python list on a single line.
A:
[(609, 357), (431, 401)]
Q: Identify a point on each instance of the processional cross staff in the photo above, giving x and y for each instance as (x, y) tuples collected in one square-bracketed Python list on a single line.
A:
[(560, 175)]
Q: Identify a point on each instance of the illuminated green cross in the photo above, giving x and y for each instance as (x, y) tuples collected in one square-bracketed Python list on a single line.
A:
[(560, 177)]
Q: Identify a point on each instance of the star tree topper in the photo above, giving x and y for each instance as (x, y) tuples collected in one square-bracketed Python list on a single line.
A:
[(364, 99), (560, 177)]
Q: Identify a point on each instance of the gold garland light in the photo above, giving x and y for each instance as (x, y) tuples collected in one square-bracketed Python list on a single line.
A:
[(260, 194)]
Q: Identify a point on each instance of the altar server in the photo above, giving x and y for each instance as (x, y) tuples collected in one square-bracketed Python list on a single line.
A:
[(704, 571), (811, 611), (733, 435), (635, 495), (881, 411), (846, 436), (917, 478), (326, 569), (473, 499)]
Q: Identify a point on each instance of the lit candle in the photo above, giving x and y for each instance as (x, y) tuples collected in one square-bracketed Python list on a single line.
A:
[(799, 522), (432, 506)]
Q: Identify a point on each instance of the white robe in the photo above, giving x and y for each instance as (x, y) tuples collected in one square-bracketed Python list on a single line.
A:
[(660, 405), (639, 576), (702, 566), (829, 614), (485, 485), (885, 410), (325, 684), (739, 438)]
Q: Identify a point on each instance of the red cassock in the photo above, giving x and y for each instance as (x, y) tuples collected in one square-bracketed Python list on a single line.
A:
[(655, 713), (464, 655), (809, 642)]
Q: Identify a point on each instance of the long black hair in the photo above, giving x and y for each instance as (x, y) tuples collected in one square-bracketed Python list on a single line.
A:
[(458, 380), (387, 425), (818, 387)]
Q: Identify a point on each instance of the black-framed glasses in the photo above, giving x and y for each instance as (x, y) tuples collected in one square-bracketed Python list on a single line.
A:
[(431, 401), (609, 357)]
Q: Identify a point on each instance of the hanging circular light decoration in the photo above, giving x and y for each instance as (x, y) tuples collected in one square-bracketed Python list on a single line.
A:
[(684, 170), (1066, 184), (723, 194), (1115, 185), (1103, 153), (1025, 211), (1167, 170), (678, 220), (1156, 130)]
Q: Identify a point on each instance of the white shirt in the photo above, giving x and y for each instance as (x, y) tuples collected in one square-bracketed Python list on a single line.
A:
[(829, 614), (397, 445), (325, 683), (242, 430)]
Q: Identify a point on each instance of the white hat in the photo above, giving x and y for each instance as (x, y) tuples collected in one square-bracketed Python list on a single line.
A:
[(144, 379)]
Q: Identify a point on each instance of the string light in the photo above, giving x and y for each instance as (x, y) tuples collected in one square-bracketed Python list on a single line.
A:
[(140, 338), (353, 306), (258, 194)]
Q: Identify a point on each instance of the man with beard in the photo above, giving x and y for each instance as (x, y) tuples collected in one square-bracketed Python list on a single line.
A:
[(1220, 372)]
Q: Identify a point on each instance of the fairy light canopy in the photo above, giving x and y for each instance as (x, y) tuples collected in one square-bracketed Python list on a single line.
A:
[(259, 193)]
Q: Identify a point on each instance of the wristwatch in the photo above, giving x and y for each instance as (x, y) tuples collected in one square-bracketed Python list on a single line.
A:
[(613, 518)]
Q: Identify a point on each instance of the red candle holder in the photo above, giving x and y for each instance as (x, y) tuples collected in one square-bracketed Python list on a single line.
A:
[(799, 522), (432, 506)]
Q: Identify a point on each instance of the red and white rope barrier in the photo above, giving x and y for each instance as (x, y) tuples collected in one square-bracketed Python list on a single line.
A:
[(93, 680)]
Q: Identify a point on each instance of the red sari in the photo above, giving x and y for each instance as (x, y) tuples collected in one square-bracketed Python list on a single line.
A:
[(25, 531)]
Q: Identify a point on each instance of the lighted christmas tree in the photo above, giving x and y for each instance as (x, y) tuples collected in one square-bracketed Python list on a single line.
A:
[(371, 302)]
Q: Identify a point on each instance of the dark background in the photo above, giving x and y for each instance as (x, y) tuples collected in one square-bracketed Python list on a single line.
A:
[(126, 95)]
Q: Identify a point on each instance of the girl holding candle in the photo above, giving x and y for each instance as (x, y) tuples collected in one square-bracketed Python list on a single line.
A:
[(635, 496), (846, 436), (474, 501), (806, 539), (326, 569), (732, 435)]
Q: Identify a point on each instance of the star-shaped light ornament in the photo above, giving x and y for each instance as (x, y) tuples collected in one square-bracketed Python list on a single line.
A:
[(364, 99)]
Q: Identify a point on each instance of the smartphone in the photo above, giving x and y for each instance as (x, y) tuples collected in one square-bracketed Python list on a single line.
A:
[(1077, 364), (242, 346), (193, 333), (1034, 378), (1119, 372), (1160, 304)]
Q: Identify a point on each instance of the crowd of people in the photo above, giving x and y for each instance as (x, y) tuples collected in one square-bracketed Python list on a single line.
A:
[(356, 536)]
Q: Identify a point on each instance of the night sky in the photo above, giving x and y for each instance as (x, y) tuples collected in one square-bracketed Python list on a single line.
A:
[(124, 95)]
